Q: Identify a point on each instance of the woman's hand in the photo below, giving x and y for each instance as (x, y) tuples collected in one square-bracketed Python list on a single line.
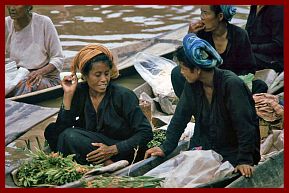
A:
[(102, 153), (196, 25), (245, 170), (69, 84), (34, 77), (155, 151)]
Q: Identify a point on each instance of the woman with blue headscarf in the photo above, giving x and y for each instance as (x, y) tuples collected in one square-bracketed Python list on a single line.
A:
[(230, 41), (222, 105)]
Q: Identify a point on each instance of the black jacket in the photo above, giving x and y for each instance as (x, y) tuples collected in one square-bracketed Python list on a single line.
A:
[(232, 127), (238, 56), (266, 34), (119, 117)]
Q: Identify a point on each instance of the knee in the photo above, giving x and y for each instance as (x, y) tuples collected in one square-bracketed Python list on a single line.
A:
[(69, 135), (49, 130)]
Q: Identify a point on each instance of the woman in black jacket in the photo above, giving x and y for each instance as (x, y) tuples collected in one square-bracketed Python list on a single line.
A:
[(222, 105), (96, 122), (230, 41)]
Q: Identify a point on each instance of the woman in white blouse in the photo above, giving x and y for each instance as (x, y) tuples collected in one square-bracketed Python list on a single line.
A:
[(33, 43)]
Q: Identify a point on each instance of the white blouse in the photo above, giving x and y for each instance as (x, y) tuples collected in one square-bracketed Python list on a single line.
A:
[(34, 46)]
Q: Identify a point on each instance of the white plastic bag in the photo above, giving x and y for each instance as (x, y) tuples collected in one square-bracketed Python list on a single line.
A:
[(13, 76), (192, 168), (156, 71)]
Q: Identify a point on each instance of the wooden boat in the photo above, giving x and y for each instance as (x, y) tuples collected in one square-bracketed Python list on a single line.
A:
[(21, 117), (135, 170), (163, 45), (268, 174)]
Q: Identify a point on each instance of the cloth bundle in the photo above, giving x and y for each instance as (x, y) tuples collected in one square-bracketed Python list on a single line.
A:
[(200, 52), (13, 75), (268, 107)]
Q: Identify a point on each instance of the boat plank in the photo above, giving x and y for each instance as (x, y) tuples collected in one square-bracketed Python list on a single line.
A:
[(162, 45), (269, 174), (21, 117), (142, 167)]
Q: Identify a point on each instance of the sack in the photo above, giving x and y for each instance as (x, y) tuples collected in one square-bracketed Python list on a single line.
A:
[(156, 71)]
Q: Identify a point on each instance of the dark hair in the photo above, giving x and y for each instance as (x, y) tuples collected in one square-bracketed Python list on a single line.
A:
[(217, 9), (98, 58), (180, 55)]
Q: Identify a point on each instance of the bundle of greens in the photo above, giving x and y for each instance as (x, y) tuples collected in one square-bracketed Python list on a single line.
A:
[(159, 137), (102, 181), (49, 170)]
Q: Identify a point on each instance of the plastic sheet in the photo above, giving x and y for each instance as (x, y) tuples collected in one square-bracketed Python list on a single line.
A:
[(192, 168), (156, 71)]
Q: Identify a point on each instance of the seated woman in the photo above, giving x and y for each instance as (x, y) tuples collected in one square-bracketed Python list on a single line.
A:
[(99, 121), (265, 30), (230, 41), (222, 105), (32, 42)]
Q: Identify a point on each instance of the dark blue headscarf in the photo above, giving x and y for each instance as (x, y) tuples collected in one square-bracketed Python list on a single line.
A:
[(229, 11), (200, 53)]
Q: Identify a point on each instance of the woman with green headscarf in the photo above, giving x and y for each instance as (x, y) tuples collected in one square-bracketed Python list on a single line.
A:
[(230, 41), (222, 105)]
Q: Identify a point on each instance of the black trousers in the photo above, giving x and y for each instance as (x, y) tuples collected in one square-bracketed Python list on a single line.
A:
[(78, 141), (178, 82)]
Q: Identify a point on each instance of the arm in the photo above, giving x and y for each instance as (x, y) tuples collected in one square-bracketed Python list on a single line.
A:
[(54, 52), (66, 117), (244, 121), (53, 46), (181, 118)]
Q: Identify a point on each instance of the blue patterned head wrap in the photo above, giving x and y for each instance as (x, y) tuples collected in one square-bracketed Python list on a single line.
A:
[(229, 11), (200, 53)]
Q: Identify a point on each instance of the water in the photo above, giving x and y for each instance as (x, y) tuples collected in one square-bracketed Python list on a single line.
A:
[(79, 25)]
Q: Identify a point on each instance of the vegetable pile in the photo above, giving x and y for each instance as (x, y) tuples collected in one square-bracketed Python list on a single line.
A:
[(102, 181), (158, 138), (50, 169)]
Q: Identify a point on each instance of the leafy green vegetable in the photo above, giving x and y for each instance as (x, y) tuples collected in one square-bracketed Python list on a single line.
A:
[(102, 181), (158, 138), (50, 169)]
